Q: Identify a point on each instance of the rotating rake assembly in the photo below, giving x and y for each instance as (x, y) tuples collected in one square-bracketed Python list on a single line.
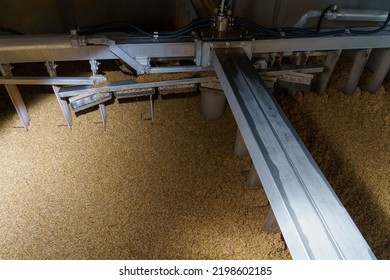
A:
[(249, 60)]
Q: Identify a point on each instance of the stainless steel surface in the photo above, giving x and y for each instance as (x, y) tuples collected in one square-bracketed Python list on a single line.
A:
[(89, 99), (312, 219), (50, 81), (358, 15), (44, 17), (287, 70), (39, 49), (282, 13), (124, 85), (35, 42), (32, 17), (377, 40), (128, 89), (141, 69)]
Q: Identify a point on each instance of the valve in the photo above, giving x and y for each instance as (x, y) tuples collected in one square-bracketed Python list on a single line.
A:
[(222, 18)]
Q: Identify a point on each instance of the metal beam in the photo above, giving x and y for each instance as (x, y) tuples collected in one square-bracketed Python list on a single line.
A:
[(141, 69), (21, 80), (62, 47), (312, 219), (376, 40)]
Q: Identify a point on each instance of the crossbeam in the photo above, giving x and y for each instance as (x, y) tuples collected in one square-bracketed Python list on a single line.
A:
[(312, 219)]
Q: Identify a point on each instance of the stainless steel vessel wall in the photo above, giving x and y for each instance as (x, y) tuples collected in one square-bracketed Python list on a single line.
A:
[(57, 16)]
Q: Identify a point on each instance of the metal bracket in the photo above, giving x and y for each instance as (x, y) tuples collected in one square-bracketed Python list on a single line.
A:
[(102, 107), (209, 47)]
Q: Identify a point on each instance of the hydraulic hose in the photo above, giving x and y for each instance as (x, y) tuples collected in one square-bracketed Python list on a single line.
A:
[(260, 31), (124, 25)]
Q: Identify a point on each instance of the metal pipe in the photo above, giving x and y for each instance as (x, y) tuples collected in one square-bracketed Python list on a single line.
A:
[(222, 7), (35, 42), (48, 81), (347, 15), (357, 15)]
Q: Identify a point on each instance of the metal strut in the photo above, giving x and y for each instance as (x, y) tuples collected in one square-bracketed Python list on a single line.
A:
[(16, 97), (312, 219)]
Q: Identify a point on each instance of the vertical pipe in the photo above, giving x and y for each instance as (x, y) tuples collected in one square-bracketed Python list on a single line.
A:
[(151, 108), (240, 148), (270, 224), (329, 66), (103, 113), (253, 179), (212, 103), (381, 69), (359, 63), (222, 7)]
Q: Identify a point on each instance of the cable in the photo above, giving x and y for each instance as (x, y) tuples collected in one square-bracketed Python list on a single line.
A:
[(124, 25), (295, 32), (330, 7), (260, 31)]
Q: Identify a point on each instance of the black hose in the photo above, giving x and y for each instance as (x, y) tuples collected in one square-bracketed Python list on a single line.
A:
[(110, 26), (289, 32), (124, 25), (330, 7)]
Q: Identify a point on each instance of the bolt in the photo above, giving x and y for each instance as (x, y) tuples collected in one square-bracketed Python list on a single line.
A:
[(227, 44)]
